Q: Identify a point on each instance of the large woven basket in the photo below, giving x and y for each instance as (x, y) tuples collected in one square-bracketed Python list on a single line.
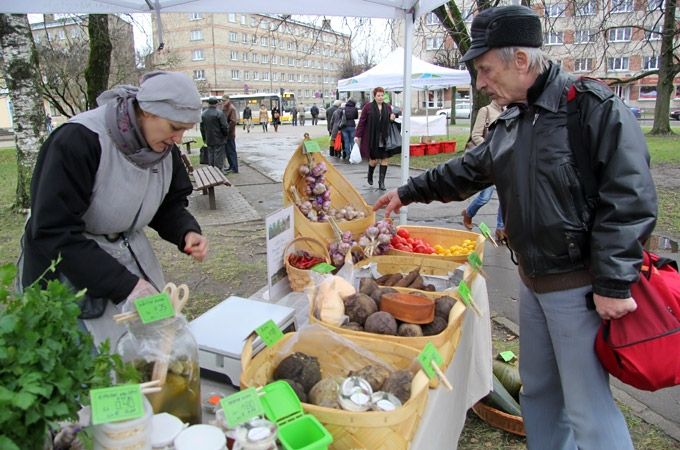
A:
[(405, 262), (446, 237), (343, 193), (446, 341), (372, 430), (300, 278), (498, 419)]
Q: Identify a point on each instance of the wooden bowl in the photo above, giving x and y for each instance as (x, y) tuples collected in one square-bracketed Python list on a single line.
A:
[(408, 307)]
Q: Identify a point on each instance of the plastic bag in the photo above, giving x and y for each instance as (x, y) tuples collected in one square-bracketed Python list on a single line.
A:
[(355, 155)]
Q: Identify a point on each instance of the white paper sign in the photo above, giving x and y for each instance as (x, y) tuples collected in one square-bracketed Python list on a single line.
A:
[(280, 232)]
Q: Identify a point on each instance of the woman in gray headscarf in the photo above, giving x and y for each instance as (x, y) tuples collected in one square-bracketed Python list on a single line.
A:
[(99, 180)]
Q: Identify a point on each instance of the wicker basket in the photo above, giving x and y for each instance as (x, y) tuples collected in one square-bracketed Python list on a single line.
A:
[(498, 419), (343, 193), (300, 278), (405, 262), (373, 430), (446, 341), (446, 237)]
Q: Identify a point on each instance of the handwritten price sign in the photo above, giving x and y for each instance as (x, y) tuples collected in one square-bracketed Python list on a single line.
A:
[(429, 355), (269, 332), (154, 307), (241, 407), (116, 403)]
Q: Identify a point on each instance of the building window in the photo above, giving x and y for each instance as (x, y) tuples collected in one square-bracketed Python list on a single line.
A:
[(583, 64), (434, 43), (273, 43), (650, 62), (553, 38), (253, 22), (265, 76), (195, 16), (291, 77), (622, 6), (197, 55), (196, 35), (432, 19), (75, 33), (61, 34), (584, 36), (253, 39), (275, 76), (654, 34), (555, 10), (246, 75), (233, 36), (244, 38), (265, 59), (234, 55), (617, 64), (243, 19), (256, 57), (585, 8), (235, 74), (199, 74), (232, 17), (291, 61), (289, 45), (264, 41), (256, 76), (620, 34), (647, 93), (655, 4), (245, 56)]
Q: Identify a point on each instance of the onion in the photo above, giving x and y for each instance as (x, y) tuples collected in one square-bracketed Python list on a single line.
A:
[(304, 170), (326, 205), (347, 236), (319, 188), (312, 216), (384, 238), (327, 195), (344, 247), (363, 241), (310, 180), (372, 232)]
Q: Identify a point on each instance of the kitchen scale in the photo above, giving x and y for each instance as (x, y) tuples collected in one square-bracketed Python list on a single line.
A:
[(221, 332)]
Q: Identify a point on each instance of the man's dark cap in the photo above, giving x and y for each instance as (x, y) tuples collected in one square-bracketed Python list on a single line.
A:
[(507, 26), (212, 101)]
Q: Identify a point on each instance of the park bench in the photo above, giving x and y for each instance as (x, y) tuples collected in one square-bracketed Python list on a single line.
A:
[(205, 179)]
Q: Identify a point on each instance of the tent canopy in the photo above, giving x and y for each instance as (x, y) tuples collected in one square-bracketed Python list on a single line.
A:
[(389, 9), (390, 75)]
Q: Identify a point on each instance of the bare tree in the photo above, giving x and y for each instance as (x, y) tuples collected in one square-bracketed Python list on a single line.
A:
[(99, 62), (30, 130)]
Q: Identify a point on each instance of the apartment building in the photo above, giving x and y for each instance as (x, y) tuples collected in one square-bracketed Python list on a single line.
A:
[(253, 53), (607, 39)]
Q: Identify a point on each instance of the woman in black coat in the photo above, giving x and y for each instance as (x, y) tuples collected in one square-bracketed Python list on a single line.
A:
[(371, 134)]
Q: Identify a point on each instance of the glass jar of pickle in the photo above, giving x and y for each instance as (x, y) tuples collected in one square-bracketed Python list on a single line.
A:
[(166, 348)]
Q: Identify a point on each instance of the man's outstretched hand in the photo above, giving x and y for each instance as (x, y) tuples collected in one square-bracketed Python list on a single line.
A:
[(390, 201)]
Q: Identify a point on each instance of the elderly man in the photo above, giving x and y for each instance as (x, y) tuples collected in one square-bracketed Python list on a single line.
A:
[(568, 248), (232, 119), (214, 131)]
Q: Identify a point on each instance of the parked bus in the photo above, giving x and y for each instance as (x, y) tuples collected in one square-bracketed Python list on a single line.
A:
[(286, 104)]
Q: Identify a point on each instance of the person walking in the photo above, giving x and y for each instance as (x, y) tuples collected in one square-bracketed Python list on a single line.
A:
[(371, 135), (276, 117), (314, 111), (247, 118), (102, 178), (264, 117), (232, 119), (301, 114), (214, 131), (336, 130), (329, 124), (293, 113), (485, 117), (568, 246), (351, 114)]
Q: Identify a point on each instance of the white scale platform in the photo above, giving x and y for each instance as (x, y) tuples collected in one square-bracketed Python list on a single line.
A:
[(221, 332)]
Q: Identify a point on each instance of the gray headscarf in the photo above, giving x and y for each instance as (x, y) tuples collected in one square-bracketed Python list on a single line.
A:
[(169, 95)]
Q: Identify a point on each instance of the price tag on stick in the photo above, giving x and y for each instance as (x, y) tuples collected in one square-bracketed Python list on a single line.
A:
[(507, 356), (466, 295), (429, 360), (486, 232), (312, 147), (476, 263), (323, 267), (241, 407), (154, 307), (116, 403), (269, 332)]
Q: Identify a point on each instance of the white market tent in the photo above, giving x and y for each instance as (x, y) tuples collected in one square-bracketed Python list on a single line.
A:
[(407, 10), (388, 74)]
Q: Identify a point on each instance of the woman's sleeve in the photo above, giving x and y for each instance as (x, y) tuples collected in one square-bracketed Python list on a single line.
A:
[(172, 220), (477, 133), (363, 118)]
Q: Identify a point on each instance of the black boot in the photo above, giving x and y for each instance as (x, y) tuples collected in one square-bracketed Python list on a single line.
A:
[(371, 169), (381, 179)]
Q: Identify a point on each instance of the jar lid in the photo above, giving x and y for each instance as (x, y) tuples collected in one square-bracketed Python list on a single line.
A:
[(164, 429), (204, 437), (384, 401), (355, 394), (256, 431)]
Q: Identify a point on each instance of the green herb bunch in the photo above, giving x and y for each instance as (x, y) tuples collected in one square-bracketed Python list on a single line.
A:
[(47, 362)]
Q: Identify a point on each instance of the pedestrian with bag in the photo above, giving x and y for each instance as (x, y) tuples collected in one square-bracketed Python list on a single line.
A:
[(485, 117), (314, 111), (351, 114), (371, 135), (293, 113), (336, 132), (568, 245), (329, 124), (99, 181), (247, 118), (276, 117), (264, 117), (232, 119), (214, 132), (301, 114)]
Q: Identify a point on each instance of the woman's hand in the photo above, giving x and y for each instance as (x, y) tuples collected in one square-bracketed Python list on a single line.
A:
[(195, 245), (392, 117)]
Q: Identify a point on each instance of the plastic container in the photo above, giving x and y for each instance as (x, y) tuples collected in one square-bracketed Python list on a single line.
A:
[(417, 149), (447, 147), (297, 431), (432, 148), (201, 437), (168, 342), (164, 429), (132, 434), (256, 434)]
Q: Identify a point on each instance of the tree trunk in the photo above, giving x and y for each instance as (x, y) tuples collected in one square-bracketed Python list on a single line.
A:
[(667, 71), (20, 69), (99, 62)]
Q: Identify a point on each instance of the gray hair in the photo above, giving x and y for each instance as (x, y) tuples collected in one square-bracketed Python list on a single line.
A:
[(538, 60)]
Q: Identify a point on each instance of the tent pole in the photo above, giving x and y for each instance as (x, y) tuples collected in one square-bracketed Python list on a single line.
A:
[(406, 117)]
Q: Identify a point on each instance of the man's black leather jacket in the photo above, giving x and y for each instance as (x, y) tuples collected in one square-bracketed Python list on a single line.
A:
[(528, 157)]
